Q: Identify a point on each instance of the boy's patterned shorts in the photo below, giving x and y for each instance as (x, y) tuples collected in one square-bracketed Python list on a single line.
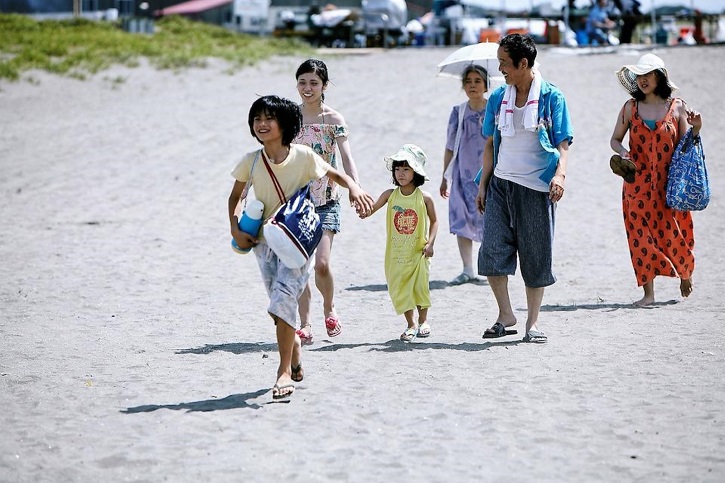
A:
[(284, 285)]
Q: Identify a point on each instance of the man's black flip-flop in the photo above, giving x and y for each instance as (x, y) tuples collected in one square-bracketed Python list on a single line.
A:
[(498, 330)]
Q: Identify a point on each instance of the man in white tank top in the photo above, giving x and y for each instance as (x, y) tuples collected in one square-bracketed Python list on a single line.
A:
[(524, 168), (521, 157)]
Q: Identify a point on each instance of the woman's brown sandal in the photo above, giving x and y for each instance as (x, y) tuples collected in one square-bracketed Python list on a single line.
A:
[(623, 167)]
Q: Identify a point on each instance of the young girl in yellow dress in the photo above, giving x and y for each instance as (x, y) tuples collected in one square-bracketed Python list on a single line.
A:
[(412, 226)]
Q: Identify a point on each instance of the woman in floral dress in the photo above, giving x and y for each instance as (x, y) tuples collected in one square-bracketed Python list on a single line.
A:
[(325, 131)]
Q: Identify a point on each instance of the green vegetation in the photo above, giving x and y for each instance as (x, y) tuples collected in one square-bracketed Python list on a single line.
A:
[(79, 47)]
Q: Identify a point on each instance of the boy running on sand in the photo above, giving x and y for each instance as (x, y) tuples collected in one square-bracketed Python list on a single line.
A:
[(275, 122)]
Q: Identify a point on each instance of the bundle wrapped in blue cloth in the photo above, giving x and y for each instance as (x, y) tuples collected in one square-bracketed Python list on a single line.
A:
[(688, 188)]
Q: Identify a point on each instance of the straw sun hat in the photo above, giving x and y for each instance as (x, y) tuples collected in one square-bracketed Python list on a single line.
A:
[(627, 75), (413, 155)]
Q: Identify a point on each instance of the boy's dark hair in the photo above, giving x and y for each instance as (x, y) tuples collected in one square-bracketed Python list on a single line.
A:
[(662, 90), (519, 47), (286, 112), (314, 66), (418, 179)]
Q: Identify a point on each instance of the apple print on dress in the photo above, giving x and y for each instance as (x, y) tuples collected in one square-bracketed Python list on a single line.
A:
[(405, 220)]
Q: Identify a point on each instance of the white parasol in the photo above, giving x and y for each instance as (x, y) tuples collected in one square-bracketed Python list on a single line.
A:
[(484, 54)]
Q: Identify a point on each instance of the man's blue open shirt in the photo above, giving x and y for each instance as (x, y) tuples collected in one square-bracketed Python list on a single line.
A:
[(554, 124)]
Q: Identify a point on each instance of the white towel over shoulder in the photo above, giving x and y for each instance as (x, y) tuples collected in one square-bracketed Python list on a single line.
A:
[(531, 109)]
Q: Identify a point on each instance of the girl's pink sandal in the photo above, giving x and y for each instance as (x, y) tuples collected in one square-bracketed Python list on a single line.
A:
[(306, 339), (333, 326)]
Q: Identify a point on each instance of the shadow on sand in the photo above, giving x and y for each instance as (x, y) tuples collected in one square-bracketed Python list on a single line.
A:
[(234, 401), (396, 345), (433, 284), (606, 307), (233, 347), (392, 345), (239, 401)]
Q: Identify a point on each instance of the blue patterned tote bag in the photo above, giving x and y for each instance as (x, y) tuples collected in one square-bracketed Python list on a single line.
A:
[(687, 186), (294, 230)]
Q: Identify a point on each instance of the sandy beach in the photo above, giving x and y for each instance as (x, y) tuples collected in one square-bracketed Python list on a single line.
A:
[(135, 344)]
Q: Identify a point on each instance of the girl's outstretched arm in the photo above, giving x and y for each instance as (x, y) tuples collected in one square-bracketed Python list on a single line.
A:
[(348, 164), (362, 201), (382, 199), (433, 224)]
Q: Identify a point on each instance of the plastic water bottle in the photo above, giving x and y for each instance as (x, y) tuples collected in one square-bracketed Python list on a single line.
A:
[(250, 222)]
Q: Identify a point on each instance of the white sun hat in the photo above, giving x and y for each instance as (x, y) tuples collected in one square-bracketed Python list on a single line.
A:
[(413, 155), (627, 75)]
